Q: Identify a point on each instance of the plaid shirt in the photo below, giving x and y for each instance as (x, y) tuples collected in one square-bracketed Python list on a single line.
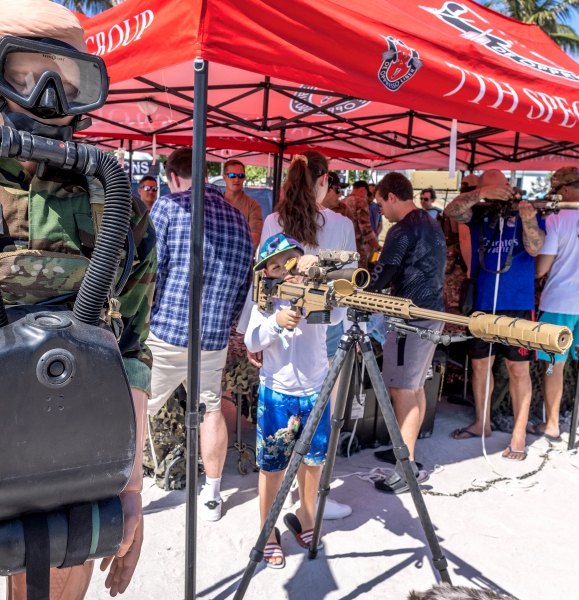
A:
[(227, 254)]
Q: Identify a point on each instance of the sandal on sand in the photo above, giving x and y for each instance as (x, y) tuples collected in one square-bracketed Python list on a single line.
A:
[(304, 538), (468, 432), (273, 550), (525, 452), (532, 429)]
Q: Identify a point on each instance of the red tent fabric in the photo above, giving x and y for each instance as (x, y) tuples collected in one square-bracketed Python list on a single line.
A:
[(302, 67)]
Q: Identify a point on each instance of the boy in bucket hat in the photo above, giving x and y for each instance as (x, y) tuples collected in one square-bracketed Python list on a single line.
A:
[(560, 298), (294, 366)]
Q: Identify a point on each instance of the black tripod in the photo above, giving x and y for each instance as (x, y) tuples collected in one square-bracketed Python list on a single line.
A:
[(344, 360)]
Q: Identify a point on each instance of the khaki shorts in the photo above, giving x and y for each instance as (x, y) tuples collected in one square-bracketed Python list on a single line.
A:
[(170, 371), (407, 359)]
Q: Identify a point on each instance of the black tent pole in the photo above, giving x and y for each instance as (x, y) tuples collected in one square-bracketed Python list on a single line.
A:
[(131, 162), (275, 190), (279, 172), (193, 417)]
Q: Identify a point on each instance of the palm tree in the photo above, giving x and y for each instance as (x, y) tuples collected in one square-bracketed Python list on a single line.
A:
[(549, 15)]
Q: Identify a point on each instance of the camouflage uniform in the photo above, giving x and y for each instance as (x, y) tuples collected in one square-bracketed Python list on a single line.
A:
[(46, 233), (341, 209), (169, 436), (360, 216)]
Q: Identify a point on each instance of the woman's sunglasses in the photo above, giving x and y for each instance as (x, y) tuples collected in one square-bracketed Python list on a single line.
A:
[(149, 188), (234, 175)]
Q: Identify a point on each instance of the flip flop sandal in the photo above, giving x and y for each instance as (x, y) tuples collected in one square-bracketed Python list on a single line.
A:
[(525, 452), (304, 538), (274, 550), (541, 434), (395, 484), (461, 431)]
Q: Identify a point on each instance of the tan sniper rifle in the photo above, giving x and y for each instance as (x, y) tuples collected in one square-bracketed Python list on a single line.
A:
[(315, 297)]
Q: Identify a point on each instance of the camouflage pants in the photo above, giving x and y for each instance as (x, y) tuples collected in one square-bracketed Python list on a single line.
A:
[(169, 435)]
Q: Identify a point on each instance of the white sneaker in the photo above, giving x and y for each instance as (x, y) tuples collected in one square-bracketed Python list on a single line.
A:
[(335, 510), (209, 510)]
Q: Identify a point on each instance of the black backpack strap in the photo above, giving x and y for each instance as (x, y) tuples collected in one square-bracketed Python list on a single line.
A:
[(482, 250), (37, 557), (79, 535)]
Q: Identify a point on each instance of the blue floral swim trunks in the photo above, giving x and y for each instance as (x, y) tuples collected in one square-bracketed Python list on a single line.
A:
[(281, 419)]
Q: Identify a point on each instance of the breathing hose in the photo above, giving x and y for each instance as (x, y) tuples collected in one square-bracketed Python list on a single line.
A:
[(90, 161), (106, 257)]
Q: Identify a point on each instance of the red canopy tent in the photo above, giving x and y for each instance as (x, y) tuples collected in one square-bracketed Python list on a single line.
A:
[(289, 76)]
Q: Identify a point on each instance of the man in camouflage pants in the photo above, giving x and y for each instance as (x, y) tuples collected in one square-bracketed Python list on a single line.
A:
[(46, 236)]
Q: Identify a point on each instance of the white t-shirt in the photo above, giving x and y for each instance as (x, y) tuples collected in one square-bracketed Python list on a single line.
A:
[(336, 234), (299, 369), (561, 293)]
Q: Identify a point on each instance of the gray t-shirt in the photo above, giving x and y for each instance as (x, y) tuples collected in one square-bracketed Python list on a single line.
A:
[(415, 247)]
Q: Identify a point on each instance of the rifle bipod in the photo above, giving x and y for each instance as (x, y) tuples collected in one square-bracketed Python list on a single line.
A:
[(344, 360)]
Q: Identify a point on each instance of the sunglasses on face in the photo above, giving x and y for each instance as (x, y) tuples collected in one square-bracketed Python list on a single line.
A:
[(336, 189), (234, 175), (149, 188)]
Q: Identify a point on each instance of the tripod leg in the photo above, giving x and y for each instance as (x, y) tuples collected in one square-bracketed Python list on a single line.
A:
[(300, 450), (402, 454), (337, 424), (574, 417)]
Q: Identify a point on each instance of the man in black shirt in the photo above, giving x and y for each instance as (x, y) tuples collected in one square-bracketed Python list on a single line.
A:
[(412, 264)]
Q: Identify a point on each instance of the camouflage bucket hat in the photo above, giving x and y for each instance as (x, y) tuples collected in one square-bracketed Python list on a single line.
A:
[(564, 176)]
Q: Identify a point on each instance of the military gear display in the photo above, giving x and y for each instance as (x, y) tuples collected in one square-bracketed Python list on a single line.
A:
[(314, 300), (66, 396), (50, 78)]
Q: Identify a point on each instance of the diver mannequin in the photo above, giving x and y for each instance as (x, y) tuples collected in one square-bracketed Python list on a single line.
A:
[(19, 199)]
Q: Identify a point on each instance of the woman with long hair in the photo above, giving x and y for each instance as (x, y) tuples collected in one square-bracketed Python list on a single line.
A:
[(302, 215)]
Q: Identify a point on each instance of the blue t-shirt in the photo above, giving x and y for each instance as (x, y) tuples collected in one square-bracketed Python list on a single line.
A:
[(517, 285)]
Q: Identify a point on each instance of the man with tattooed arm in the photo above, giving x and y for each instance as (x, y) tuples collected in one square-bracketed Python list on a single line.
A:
[(504, 247)]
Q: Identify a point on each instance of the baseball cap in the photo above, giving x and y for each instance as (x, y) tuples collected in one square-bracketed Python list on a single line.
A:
[(276, 244), (336, 180), (564, 176)]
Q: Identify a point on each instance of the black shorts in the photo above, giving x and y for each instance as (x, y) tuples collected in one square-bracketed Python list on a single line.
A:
[(478, 348)]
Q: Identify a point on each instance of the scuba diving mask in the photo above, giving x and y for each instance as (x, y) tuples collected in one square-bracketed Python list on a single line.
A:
[(51, 79)]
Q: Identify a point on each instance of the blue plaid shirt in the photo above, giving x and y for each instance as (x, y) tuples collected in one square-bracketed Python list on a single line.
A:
[(227, 253)]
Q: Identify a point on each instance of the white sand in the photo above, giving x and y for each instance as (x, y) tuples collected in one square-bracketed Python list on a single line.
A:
[(523, 544)]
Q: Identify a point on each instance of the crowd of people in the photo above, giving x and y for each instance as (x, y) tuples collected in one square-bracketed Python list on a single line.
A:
[(56, 214), (498, 255)]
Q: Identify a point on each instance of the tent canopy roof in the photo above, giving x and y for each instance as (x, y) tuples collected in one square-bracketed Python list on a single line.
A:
[(291, 75)]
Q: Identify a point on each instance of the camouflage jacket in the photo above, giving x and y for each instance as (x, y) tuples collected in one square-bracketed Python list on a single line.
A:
[(360, 215), (46, 231)]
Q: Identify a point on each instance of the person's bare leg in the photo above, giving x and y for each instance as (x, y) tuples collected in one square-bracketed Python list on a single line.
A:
[(409, 407), (479, 369), (214, 443), (269, 484), (308, 484), (521, 390), (552, 393), (65, 584)]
